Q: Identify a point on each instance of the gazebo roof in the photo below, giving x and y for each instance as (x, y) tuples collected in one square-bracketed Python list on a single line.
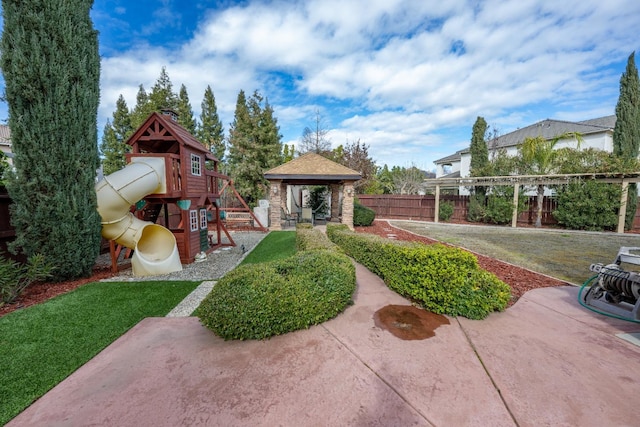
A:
[(311, 168)]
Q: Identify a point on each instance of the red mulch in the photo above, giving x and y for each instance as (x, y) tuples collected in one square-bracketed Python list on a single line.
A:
[(519, 279), (42, 291)]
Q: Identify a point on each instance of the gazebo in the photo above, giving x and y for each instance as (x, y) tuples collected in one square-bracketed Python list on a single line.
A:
[(312, 169)]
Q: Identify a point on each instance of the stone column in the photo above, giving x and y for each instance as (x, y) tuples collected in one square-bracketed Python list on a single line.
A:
[(335, 202), (347, 204), (275, 201)]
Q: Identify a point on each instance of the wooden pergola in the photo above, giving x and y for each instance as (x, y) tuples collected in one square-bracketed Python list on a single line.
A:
[(622, 179), (312, 169)]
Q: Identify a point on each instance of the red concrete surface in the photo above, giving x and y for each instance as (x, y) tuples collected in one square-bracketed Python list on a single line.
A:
[(545, 361)]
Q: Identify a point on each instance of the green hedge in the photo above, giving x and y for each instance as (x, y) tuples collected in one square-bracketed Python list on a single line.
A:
[(309, 238), (442, 279), (362, 215), (261, 300)]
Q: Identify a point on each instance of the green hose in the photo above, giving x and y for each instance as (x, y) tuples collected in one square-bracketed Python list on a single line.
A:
[(604, 313)]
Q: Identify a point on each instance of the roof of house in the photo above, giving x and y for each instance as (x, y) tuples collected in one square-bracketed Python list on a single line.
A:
[(312, 167), (547, 128)]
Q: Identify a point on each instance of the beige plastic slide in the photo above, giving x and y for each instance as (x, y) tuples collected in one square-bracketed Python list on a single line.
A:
[(156, 251)]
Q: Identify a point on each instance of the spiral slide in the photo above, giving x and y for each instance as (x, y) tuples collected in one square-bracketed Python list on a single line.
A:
[(156, 251)]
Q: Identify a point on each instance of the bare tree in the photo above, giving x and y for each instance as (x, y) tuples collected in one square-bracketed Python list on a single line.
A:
[(408, 180), (314, 140)]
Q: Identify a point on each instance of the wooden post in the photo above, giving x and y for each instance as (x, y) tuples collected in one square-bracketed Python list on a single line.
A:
[(437, 208), (514, 217), (622, 214)]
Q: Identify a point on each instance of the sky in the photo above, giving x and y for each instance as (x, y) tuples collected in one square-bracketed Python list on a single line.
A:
[(407, 78)]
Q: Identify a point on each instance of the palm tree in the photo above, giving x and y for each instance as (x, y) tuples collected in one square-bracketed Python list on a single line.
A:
[(539, 157)]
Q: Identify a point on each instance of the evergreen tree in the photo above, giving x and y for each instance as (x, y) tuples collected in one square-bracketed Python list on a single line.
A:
[(114, 138), (185, 112), (51, 67), (288, 152), (210, 131), (162, 95), (626, 134), (254, 146), (143, 108), (479, 151)]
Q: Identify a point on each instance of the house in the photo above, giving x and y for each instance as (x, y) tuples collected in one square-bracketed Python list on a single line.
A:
[(5, 142), (596, 133)]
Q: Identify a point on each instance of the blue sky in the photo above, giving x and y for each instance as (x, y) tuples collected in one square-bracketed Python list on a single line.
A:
[(408, 78)]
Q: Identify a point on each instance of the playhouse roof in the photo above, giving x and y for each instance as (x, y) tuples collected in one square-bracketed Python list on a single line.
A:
[(312, 167), (160, 129)]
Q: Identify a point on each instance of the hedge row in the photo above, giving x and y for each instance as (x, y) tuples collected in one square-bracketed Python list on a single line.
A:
[(442, 279), (262, 300), (309, 238)]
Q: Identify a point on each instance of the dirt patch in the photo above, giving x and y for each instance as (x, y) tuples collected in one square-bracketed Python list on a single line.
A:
[(408, 322)]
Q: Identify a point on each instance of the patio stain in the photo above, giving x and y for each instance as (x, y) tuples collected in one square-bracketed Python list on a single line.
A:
[(408, 322)]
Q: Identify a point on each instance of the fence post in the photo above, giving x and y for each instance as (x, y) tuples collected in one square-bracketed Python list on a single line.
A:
[(623, 205), (514, 216), (437, 208)]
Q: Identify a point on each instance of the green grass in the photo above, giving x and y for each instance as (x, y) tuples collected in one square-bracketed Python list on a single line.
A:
[(276, 245), (43, 344)]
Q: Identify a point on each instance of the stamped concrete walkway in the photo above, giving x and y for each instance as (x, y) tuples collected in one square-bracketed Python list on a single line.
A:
[(544, 362)]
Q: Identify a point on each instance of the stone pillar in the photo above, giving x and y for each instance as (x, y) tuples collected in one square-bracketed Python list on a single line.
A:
[(275, 201), (335, 202), (347, 204)]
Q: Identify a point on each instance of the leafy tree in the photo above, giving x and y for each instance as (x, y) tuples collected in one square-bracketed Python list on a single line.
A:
[(288, 151), (314, 140), (355, 155), (114, 138), (185, 112), (210, 131), (479, 150), (254, 146), (385, 179), (4, 167), (626, 133), (51, 67), (539, 157)]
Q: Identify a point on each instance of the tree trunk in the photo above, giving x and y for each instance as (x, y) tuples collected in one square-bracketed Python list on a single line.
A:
[(539, 200)]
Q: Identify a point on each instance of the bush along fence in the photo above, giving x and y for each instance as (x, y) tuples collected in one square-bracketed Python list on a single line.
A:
[(442, 279), (258, 301), (422, 208)]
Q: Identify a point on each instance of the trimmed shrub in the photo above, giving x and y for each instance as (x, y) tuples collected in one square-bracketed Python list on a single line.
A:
[(263, 300), (442, 279), (362, 215), (588, 205), (445, 211), (309, 238)]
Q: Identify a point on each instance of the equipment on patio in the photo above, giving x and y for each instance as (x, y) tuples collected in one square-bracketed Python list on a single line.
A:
[(616, 292)]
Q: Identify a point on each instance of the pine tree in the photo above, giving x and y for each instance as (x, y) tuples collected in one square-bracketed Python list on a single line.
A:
[(626, 133), (114, 138), (254, 146), (51, 67), (185, 112), (210, 131), (142, 109), (162, 95)]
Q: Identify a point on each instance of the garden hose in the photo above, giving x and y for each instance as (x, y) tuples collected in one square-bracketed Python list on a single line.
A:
[(604, 313)]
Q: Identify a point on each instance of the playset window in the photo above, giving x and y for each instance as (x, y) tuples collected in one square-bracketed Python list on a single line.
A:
[(203, 219), (196, 165), (193, 220)]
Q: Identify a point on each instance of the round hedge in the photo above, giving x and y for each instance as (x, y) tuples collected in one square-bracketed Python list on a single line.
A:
[(362, 215), (261, 300)]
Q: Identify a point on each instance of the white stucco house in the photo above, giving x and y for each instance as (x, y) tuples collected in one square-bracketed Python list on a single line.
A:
[(5, 142), (596, 133)]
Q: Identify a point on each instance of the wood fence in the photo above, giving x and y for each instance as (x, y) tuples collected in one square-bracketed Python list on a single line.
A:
[(422, 208)]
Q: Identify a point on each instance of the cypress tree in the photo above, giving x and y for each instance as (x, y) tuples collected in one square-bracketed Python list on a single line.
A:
[(210, 131), (626, 133), (51, 67), (479, 151)]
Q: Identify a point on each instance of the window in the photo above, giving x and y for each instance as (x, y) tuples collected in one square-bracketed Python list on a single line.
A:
[(195, 165), (193, 220), (203, 219)]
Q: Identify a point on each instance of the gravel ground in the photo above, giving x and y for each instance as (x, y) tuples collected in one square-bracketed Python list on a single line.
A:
[(217, 264)]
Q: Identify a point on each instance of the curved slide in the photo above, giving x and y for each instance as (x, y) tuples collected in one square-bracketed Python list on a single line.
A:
[(155, 246)]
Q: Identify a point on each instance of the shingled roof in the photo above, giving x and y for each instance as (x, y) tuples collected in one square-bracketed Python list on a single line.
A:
[(312, 167)]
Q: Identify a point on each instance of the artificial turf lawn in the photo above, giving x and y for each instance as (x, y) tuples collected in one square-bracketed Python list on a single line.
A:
[(276, 245), (43, 344)]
